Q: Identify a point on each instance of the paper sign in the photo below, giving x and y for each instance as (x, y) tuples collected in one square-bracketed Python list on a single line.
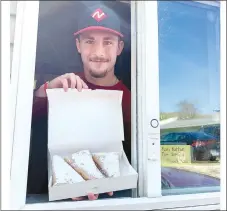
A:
[(176, 154)]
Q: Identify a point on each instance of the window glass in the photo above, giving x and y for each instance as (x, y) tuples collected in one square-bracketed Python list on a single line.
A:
[(167, 137), (59, 52), (189, 96)]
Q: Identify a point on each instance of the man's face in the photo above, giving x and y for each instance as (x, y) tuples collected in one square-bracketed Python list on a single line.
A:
[(99, 51)]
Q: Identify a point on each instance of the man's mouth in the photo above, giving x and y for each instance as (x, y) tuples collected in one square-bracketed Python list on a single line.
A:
[(97, 60)]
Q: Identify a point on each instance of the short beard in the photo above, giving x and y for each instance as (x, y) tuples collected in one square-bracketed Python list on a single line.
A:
[(98, 75)]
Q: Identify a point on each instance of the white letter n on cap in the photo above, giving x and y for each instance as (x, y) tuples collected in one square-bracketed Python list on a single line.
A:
[(98, 15)]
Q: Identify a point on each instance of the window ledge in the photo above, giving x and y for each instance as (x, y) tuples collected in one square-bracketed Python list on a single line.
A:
[(205, 201), (205, 207)]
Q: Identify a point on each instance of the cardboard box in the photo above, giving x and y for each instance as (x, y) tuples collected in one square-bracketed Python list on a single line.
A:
[(88, 120)]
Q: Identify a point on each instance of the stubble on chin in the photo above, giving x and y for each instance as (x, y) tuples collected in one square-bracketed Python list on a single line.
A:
[(98, 75)]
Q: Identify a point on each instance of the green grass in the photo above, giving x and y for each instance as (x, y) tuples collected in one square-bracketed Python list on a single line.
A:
[(202, 163), (164, 115), (182, 129)]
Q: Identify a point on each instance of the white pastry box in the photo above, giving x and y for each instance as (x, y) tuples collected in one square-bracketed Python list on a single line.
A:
[(88, 120)]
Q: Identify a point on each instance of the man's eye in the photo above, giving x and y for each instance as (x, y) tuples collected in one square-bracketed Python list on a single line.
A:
[(108, 43), (89, 41)]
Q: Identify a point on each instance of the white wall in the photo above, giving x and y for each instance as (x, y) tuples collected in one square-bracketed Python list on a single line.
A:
[(13, 11)]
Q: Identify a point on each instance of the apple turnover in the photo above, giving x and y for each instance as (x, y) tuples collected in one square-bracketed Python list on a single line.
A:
[(83, 163), (108, 163), (64, 173)]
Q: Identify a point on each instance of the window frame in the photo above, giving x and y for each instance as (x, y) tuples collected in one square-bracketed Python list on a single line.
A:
[(6, 145), (23, 63), (148, 136), (23, 67), (187, 202)]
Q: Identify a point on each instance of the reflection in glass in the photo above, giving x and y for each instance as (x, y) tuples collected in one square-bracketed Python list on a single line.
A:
[(189, 96)]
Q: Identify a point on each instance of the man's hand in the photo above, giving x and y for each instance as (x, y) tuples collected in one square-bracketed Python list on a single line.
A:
[(91, 196), (68, 80)]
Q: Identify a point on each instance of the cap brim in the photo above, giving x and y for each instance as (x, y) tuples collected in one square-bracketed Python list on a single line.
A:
[(101, 28)]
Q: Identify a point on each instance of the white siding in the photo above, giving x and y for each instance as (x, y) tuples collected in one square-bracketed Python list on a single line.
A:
[(13, 11)]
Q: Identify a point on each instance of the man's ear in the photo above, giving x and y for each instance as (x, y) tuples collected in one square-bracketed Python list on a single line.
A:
[(78, 45), (120, 47)]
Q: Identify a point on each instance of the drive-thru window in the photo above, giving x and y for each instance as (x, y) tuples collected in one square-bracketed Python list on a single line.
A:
[(170, 64)]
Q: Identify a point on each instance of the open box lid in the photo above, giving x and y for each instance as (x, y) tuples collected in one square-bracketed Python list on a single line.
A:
[(90, 119)]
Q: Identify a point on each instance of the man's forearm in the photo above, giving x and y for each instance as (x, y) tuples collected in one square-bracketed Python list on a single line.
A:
[(40, 92), (39, 106), (39, 102)]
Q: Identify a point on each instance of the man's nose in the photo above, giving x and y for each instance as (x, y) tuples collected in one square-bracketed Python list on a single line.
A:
[(99, 50)]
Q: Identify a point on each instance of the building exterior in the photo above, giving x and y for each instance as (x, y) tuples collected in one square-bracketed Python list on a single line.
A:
[(13, 14), (160, 185)]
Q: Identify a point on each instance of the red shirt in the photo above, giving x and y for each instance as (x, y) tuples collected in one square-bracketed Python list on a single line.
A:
[(40, 108)]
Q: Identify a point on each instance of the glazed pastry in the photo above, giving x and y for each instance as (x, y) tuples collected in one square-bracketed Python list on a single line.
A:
[(108, 163), (83, 163), (64, 173)]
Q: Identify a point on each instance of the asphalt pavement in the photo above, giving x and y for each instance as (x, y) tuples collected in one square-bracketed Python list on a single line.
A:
[(183, 178)]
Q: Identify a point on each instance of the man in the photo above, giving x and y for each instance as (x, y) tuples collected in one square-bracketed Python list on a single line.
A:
[(99, 42)]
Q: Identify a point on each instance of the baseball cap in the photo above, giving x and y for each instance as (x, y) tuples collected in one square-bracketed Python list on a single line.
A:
[(99, 18)]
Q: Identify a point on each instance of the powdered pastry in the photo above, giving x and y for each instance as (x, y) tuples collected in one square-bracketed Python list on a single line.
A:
[(64, 173), (83, 163), (108, 163)]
